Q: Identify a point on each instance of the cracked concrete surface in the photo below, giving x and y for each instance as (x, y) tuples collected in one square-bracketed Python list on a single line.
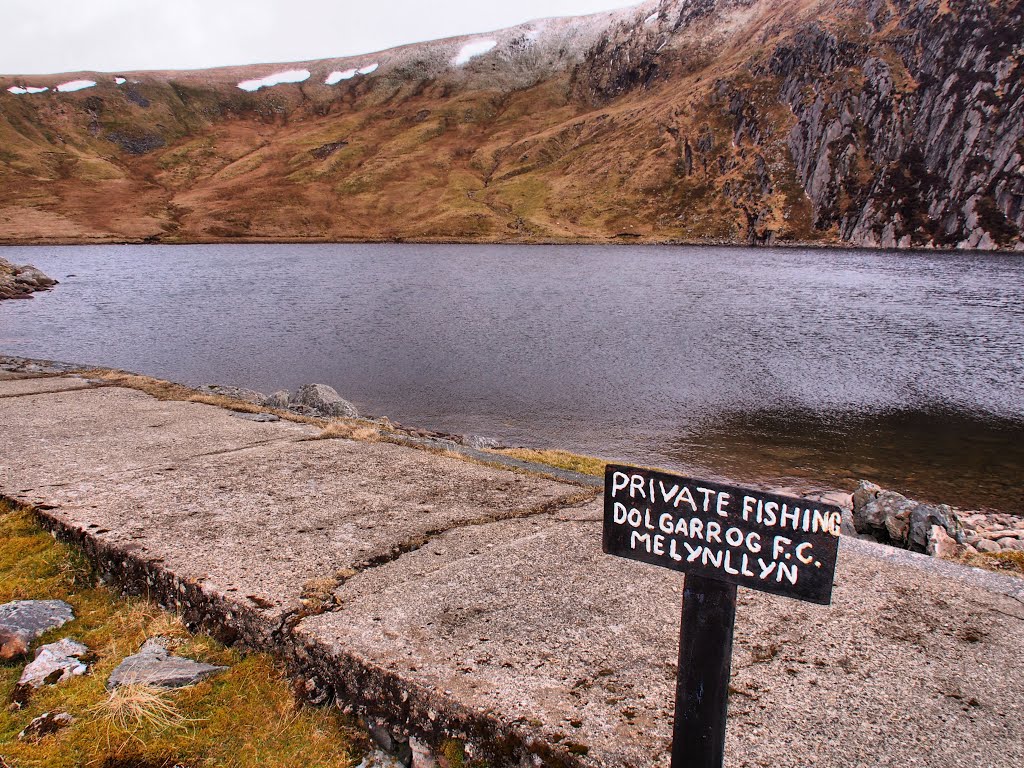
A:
[(476, 602)]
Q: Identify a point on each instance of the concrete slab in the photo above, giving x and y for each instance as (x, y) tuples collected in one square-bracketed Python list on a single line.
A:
[(266, 524), (528, 621), (18, 385), (59, 438), (456, 599)]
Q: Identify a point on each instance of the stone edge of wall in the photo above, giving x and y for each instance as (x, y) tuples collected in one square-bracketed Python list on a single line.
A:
[(321, 674)]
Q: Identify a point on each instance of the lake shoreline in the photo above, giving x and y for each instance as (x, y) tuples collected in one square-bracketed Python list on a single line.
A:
[(619, 240), (374, 571), (809, 368), (564, 465)]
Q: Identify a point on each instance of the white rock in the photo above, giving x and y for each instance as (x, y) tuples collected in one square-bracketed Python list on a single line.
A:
[(54, 663)]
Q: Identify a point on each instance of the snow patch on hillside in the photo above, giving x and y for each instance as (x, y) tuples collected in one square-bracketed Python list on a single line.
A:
[(120, 80), (336, 77), (19, 90), (75, 85), (472, 50), (289, 76), (368, 69)]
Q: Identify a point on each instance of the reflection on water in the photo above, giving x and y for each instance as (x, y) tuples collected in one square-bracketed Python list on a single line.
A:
[(817, 366), (951, 457)]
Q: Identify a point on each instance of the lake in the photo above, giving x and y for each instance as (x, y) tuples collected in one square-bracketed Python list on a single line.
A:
[(799, 367)]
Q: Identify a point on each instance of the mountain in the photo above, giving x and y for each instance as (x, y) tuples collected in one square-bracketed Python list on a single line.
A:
[(895, 123)]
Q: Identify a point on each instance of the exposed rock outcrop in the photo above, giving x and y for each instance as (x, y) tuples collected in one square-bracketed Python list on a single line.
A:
[(45, 725), (893, 518), (916, 137), (937, 529), (21, 282)]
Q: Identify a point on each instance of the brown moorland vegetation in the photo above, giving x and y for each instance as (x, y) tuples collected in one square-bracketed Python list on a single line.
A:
[(741, 121)]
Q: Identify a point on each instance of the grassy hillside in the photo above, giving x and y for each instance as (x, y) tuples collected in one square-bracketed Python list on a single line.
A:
[(675, 121)]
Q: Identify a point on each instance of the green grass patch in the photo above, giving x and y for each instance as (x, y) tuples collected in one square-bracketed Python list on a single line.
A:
[(587, 465), (246, 716)]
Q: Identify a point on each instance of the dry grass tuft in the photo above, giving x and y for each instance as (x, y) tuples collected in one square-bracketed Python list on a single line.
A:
[(350, 431), (129, 708), (230, 403), (1002, 562), (167, 390)]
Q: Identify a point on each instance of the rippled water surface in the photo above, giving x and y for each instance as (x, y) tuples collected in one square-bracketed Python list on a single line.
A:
[(780, 366)]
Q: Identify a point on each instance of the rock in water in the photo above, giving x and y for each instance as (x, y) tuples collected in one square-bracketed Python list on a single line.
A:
[(22, 621), (153, 665), (20, 282), (44, 725), (480, 443), (324, 400), (53, 664)]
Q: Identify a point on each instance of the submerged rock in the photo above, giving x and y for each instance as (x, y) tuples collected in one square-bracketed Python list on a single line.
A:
[(22, 621), (153, 665)]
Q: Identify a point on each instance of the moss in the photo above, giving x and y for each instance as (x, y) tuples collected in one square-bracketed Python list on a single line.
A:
[(246, 716), (453, 754), (587, 465)]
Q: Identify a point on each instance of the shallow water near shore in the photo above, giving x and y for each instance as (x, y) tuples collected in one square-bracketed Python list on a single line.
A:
[(777, 366)]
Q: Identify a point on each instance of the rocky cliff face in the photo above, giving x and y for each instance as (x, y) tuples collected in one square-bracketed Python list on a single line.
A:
[(919, 141), (871, 122)]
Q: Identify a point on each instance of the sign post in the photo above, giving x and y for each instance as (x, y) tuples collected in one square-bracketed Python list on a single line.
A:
[(721, 537)]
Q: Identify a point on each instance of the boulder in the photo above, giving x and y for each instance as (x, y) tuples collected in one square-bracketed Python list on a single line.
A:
[(20, 282), (422, 756), (987, 545), (480, 443), (279, 399), (324, 400), (153, 665), (53, 664), (22, 621), (940, 544), (893, 518), (1010, 544), (44, 725)]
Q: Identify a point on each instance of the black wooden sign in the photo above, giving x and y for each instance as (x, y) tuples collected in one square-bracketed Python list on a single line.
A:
[(720, 536), (779, 544)]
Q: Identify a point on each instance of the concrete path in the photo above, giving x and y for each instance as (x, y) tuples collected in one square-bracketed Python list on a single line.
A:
[(452, 599)]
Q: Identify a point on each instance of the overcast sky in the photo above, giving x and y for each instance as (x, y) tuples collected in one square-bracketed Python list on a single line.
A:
[(44, 36)]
